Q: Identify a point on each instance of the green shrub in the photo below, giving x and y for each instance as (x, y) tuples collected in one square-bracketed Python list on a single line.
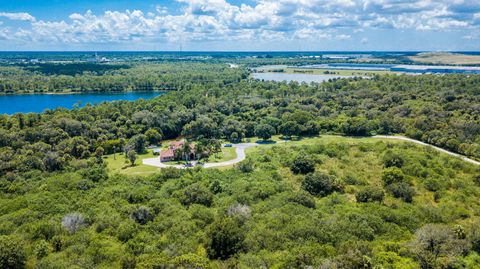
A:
[(246, 166), (12, 254), (370, 194), (402, 190), (197, 194), (391, 159), (303, 165), (433, 185), (225, 239), (41, 249), (392, 175), (321, 184), (142, 215), (302, 198)]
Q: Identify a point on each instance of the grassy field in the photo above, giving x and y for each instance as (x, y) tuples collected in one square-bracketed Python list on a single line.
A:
[(445, 58), (226, 155), (308, 141), (121, 165)]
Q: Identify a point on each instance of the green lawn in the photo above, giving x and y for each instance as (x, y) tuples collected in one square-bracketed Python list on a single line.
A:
[(121, 165), (227, 154)]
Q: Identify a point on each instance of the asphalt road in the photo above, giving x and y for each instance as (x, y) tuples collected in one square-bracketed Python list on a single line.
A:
[(240, 151)]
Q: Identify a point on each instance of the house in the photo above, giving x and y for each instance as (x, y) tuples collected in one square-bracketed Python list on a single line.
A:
[(169, 155)]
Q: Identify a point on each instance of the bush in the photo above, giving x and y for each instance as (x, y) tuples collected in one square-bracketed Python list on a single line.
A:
[(142, 215), (433, 185), (370, 194), (303, 165), (126, 230), (246, 166), (302, 198), (225, 239), (95, 173), (12, 254), (402, 190), (391, 159), (197, 194), (321, 184), (392, 175), (41, 249)]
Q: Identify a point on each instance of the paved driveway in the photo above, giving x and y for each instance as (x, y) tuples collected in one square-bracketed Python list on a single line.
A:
[(239, 150)]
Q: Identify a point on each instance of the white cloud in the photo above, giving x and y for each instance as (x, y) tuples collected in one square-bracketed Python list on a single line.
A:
[(343, 37), (21, 16), (206, 20)]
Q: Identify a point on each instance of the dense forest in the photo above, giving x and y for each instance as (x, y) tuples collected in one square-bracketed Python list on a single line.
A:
[(84, 77), (330, 204)]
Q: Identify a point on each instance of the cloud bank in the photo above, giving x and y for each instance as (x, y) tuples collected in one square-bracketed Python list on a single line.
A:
[(266, 20)]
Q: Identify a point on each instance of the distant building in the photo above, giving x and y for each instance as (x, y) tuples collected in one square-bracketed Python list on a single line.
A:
[(169, 154)]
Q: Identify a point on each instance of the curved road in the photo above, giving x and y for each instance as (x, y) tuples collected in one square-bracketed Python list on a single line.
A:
[(240, 151), (403, 138)]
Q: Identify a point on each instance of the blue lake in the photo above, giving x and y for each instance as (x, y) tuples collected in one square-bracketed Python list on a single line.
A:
[(25, 103)]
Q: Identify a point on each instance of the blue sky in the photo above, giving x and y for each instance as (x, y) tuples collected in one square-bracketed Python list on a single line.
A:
[(254, 25)]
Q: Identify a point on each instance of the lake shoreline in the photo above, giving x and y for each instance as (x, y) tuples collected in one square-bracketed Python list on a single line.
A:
[(37, 103), (83, 92)]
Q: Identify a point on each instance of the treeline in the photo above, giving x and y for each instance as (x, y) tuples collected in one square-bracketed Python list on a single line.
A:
[(109, 78), (72, 69), (443, 111)]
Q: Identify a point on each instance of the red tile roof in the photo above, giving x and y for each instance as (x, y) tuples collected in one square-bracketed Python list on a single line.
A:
[(169, 153), (174, 145)]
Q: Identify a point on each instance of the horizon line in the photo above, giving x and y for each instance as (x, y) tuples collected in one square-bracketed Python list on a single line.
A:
[(246, 51)]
